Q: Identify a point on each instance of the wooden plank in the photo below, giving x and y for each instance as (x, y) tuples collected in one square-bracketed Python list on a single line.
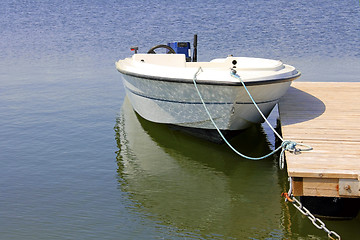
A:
[(328, 187), (325, 116), (297, 183)]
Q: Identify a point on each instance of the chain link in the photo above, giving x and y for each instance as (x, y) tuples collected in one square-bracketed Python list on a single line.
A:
[(315, 221)]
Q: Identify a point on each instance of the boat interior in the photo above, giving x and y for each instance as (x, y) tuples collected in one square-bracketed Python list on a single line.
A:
[(241, 63)]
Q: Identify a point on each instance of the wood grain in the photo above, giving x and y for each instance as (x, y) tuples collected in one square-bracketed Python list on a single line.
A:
[(325, 116)]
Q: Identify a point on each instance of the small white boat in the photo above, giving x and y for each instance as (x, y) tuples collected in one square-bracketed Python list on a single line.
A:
[(161, 89)]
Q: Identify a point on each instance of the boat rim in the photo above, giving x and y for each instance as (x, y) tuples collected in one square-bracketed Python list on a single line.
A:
[(211, 82)]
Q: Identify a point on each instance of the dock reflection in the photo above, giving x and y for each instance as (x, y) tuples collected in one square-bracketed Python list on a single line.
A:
[(195, 185)]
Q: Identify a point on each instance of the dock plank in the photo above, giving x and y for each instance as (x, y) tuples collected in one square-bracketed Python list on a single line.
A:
[(325, 116)]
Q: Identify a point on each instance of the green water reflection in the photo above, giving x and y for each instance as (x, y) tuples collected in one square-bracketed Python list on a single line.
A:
[(202, 189)]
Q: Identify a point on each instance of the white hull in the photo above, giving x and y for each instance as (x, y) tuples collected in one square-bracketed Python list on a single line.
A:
[(170, 100)]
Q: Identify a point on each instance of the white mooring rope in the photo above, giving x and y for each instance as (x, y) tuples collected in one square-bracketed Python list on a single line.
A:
[(286, 145)]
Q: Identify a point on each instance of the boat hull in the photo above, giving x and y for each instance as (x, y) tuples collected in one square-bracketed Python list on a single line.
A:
[(178, 103)]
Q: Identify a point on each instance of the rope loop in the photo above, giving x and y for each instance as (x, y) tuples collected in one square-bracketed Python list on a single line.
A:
[(286, 144), (291, 147)]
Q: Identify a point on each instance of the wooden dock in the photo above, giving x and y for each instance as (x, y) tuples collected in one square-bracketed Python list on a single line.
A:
[(326, 116)]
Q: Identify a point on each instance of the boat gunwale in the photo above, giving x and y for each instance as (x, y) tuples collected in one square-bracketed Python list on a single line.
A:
[(211, 82)]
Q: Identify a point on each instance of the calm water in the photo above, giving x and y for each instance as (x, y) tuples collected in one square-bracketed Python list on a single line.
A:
[(77, 163)]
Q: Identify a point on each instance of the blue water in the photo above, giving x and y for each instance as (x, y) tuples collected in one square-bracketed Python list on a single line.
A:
[(70, 162)]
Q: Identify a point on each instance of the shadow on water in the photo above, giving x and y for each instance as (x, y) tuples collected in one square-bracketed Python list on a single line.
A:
[(314, 106), (196, 186)]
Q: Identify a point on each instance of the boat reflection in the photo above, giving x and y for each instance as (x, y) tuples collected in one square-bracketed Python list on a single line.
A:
[(198, 186)]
